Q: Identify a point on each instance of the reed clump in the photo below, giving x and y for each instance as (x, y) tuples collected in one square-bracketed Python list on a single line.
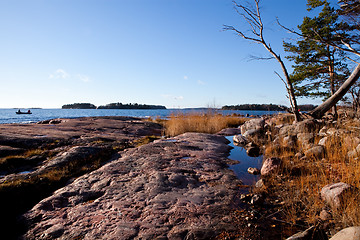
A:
[(204, 123)]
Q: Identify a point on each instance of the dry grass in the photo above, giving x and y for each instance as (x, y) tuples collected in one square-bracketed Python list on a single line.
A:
[(144, 140), (204, 123), (301, 181)]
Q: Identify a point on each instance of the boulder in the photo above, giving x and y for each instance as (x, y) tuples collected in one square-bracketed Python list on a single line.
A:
[(332, 131), (352, 154), (287, 130), (253, 133), (253, 171), (350, 141), (322, 132), (350, 233), (270, 166), (317, 151), (260, 183), (253, 151), (306, 126), (257, 123), (335, 194), (229, 131), (289, 141), (325, 215), (257, 199), (336, 132), (240, 139), (323, 141), (305, 139)]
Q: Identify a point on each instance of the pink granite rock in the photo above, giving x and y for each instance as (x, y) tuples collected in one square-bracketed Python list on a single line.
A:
[(335, 194), (178, 188), (270, 166), (229, 131)]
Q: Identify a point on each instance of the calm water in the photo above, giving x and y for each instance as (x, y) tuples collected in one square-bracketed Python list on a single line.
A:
[(9, 116), (239, 153)]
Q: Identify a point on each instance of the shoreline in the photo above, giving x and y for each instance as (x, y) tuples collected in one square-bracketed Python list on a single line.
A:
[(193, 166)]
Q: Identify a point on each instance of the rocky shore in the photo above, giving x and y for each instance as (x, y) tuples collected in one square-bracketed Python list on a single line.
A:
[(37, 159), (178, 188), (309, 181), (86, 179), (117, 178)]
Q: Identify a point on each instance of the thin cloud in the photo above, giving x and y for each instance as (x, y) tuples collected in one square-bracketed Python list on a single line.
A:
[(200, 82), (179, 98), (186, 77), (59, 74), (62, 74), (83, 78)]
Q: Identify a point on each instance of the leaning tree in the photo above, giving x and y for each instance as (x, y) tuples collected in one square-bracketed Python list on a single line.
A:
[(319, 69), (345, 38)]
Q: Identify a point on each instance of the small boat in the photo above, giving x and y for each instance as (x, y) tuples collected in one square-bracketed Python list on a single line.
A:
[(20, 112)]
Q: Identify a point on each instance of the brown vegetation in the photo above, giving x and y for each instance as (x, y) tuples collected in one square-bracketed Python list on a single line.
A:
[(204, 123), (301, 180)]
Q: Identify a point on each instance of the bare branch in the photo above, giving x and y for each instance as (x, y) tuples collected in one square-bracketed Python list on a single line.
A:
[(352, 60), (252, 57), (241, 34), (248, 11), (281, 79), (254, 21)]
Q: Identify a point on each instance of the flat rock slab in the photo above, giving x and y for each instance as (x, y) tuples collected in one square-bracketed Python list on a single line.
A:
[(179, 188), (78, 129)]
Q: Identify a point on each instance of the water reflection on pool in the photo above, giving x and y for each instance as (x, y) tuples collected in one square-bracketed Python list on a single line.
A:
[(239, 153)]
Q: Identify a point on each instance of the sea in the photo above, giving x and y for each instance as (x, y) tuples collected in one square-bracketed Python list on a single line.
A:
[(10, 116)]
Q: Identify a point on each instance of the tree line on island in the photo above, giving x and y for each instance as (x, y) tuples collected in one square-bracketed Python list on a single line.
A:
[(256, 107), (267, 107), (112, 106)]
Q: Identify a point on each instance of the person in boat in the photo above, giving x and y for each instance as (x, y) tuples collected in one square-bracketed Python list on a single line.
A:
[(19, 111), (28, 111)]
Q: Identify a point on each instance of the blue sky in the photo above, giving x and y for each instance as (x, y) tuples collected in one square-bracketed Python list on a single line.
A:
[(167, 52)]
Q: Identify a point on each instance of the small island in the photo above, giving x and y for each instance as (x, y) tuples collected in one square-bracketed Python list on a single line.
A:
[(130, 106), (112, 106), (267, 107), (79, 106), (259, 107)]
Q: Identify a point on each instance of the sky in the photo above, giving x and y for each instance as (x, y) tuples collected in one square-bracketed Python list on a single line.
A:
[(163, 52)]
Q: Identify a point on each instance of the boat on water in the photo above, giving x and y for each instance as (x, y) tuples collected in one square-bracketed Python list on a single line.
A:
[(20, 112)]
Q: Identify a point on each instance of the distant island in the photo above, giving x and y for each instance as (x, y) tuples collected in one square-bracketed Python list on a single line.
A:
[(130, 106), (259, 107), (267, 107), (79, 106), (112, 106)]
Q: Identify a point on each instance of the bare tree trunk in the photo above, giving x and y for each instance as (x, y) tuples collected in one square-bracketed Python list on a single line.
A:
[(330, 102), (332, 88), (253, 18), (288, 83)]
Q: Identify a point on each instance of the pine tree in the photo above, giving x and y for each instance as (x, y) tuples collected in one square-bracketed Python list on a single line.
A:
[(319, 68)]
